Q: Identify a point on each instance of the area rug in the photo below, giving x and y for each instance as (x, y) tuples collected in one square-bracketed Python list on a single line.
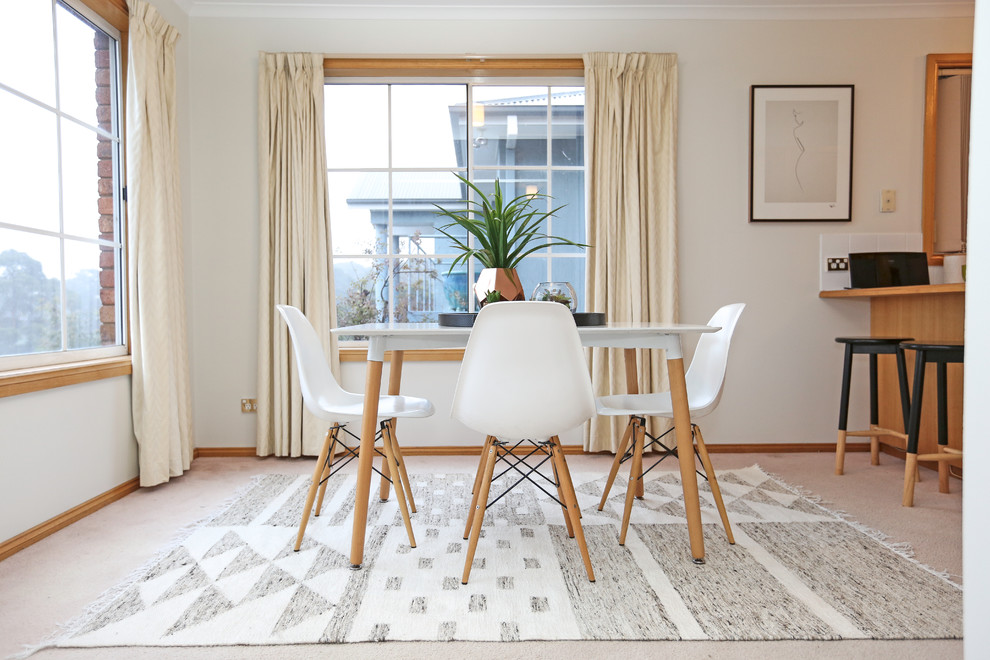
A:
[(797, 571)]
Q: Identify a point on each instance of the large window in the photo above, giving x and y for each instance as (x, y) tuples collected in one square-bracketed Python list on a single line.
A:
[(61, 239), (392, 151)]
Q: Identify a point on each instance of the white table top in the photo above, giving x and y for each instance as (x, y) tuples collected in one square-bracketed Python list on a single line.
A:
[(408, 336)]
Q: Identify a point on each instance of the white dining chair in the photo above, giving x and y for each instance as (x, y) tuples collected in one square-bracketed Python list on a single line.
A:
[(523, 381), (328, 401), (705, 379)]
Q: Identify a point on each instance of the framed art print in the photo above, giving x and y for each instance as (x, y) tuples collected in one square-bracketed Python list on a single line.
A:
[(800, 153)]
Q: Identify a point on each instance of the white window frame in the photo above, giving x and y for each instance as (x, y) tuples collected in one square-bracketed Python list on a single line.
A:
[(17, 365)]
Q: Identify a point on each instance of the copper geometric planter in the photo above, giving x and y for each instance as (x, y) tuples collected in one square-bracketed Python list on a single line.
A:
[(504, 280)]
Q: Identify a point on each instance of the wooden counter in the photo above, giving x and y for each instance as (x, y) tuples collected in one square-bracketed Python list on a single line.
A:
[(934, 312)]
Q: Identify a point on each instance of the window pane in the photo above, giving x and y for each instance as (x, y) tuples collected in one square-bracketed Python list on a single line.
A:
[(569, 222), (356, 126), (27, 55), (77, 66), (414, 211), (510, 126), (572, 269), (29, 293), (567, 125), (358, 285), (28, 165), (358, 212), (81, 201), (532, 271), (423, 121), (519, 183), (83, 307)]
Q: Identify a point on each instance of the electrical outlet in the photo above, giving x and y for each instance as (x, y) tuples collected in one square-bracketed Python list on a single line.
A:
[(249, 405), (837, 263)]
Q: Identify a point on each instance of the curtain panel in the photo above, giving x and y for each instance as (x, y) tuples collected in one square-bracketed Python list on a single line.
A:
[(631, 128), (161, 402), (295, 249)]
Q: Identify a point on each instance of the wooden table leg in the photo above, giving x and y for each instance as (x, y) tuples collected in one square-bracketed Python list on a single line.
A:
[(369, 424), (685, 455), (632, 387)]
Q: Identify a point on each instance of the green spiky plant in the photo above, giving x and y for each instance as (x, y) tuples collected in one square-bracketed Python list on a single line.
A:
[(504, 230)]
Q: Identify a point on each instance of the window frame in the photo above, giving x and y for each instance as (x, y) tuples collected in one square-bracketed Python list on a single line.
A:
[(557, 71), (41, 371)]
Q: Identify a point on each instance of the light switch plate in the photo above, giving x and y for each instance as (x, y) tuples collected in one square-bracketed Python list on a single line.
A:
[(888, 201)]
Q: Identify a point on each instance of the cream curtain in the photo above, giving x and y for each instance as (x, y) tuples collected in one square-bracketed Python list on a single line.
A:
[(295, 244), (631, 125), (160, 398)]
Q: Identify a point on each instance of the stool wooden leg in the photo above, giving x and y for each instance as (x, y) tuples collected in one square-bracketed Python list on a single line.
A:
[(478, 510), (910, 470), (943, 474), (874, 450), (639, 435), (620, 452), (840, 452), (713, 483)]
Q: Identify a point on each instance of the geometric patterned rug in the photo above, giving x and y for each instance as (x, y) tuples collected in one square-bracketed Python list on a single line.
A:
[(797, 571)]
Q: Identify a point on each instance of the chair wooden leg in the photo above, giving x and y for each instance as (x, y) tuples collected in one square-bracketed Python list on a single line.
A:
[(384, 486), (560, 494), (635, 471), (573, 509), (402, 470), (713, 482), (326, 470), (620, 452), (388, 443), (840, 452), (479, 475), (910, 471), (311, 495), (478, 509)]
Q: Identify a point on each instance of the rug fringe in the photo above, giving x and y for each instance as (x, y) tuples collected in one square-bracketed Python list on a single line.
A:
[(72, 627), (901, 548)]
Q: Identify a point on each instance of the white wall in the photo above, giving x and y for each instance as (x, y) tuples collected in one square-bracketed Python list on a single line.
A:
[(976, 421), (784, 378), (65, 446)]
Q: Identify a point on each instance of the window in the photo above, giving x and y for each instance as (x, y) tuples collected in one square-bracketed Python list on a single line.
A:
[(393, 146), (61, 237)]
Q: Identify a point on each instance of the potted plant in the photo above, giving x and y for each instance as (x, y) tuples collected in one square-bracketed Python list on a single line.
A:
[(505, 231)]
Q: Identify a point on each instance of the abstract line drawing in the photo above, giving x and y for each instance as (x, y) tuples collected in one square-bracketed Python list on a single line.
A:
[(798, 123)]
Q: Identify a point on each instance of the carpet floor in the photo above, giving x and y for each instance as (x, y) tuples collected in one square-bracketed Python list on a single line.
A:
[(796, 572)]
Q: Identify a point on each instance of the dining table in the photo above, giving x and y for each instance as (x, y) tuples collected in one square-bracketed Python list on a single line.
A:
[(396, 338)]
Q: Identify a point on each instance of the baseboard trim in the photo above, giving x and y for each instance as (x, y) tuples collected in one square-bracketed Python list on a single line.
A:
[(472, 450), (49, 527)]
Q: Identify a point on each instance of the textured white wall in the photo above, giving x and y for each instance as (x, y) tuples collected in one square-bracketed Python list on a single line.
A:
[(784, 376)]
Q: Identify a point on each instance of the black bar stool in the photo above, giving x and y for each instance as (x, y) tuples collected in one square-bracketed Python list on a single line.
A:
[(941, 353), (872, 346)]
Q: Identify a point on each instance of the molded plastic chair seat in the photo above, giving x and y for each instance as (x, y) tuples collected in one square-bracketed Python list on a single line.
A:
[(941, 353), (524, 378), (872, 346), (704, 380), (328, 401)]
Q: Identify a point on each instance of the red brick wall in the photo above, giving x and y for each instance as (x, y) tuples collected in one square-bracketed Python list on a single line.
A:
[(108, 316)]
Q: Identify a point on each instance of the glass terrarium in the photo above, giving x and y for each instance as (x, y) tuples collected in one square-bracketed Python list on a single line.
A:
[(561, 292)]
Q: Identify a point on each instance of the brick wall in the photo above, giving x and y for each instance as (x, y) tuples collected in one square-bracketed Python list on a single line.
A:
[(108, 312)]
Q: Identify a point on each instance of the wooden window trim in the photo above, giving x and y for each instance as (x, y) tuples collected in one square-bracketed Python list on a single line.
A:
[(35, 379), (344, 67)]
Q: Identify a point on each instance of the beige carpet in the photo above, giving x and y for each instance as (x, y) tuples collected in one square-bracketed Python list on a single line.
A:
[(52, 581)]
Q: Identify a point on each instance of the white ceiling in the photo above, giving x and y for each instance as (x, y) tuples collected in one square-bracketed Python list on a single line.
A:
[(580, 9)]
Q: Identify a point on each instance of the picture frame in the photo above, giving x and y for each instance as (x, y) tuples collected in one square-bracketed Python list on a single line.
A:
[(800, 146)]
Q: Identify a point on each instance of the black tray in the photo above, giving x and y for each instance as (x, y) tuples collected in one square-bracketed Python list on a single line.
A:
[(466, 319)]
